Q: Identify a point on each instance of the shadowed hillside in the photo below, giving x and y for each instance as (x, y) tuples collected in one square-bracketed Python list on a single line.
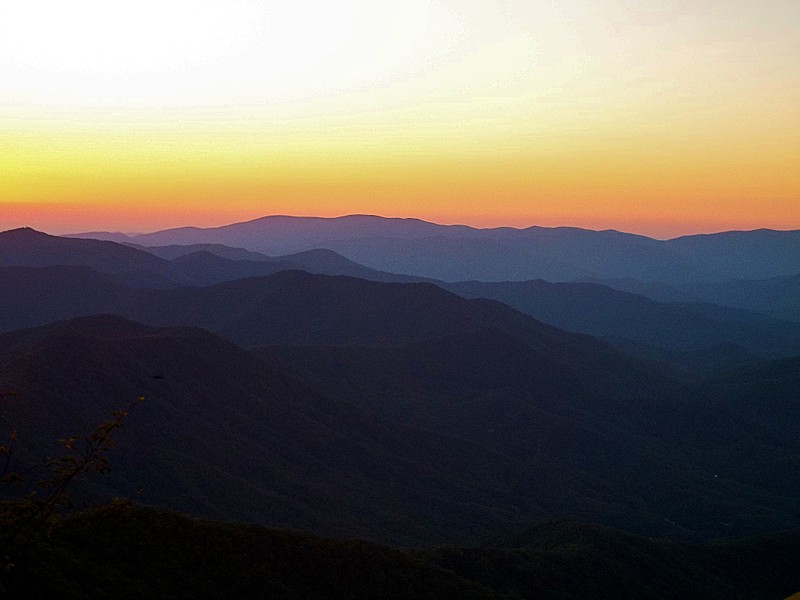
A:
[(701, 337), (135, 553), (683, 331), (223, 434), (778, 297), (30, 248), (169, 266), (438, 440), (422, 415), (294, 307)]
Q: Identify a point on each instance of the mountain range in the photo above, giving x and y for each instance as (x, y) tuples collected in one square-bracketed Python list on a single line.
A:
[(457, 252), (291, 384), (439, 440), (697, 336)]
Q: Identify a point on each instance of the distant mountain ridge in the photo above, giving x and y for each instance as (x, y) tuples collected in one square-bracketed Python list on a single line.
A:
[(776, 296), (711, 335), (298, 308), (31, 248), (170, 266), (459, 252), (606, 312)]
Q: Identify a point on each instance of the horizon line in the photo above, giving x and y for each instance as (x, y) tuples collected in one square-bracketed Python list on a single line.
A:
[(134, 234)]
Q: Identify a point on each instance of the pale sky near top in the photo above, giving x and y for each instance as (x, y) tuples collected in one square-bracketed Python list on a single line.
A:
[(535, 89), (153, 55)]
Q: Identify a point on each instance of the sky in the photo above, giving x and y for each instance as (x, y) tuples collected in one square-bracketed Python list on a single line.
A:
[(661, 117)]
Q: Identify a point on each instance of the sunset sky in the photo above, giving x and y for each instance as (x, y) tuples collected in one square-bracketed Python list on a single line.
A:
[(658, 117)]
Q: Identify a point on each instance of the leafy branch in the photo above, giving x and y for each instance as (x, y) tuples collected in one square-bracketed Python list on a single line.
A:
[(25, 521)]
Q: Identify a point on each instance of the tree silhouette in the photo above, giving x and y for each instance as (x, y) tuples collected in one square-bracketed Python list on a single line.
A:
[(28, 516)]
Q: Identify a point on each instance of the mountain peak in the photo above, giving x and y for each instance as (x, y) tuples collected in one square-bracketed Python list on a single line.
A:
[(24, 233)]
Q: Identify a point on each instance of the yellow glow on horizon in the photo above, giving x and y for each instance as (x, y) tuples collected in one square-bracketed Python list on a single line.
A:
[(660, 117)]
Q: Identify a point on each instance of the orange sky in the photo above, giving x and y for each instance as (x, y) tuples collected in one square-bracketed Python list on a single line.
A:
[(661, 118)]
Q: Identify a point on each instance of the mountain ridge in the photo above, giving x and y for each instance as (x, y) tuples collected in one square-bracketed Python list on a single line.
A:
[(460, 252), (697, 337), (367, 216), (232, 434)]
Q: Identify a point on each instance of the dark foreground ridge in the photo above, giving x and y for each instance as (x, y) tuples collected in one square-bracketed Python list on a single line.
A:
[(122, 551), (440, 440)]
